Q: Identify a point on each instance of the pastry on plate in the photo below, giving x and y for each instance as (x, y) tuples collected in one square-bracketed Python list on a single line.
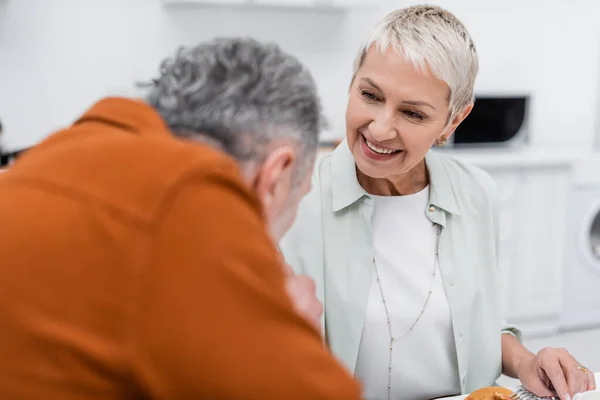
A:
[(490, 393)]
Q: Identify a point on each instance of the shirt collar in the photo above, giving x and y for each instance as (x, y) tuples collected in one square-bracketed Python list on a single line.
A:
[(131, 115), (441, 191), (346, 190)]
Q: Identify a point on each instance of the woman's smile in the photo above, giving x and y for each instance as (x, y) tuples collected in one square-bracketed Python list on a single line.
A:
[(377, 152)]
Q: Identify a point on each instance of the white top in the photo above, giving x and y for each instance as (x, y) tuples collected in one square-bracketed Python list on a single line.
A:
[(424, 363)]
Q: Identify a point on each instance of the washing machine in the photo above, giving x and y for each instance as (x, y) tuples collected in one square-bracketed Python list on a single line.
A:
[(581, 283)]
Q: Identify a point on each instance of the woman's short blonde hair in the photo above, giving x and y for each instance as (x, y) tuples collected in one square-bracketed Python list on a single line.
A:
[(429, 36)]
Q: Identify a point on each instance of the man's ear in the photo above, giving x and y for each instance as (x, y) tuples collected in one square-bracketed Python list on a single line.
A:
[(273, 181)]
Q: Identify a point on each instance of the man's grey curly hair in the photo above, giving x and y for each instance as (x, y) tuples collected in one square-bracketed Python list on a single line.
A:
[(245, 95)]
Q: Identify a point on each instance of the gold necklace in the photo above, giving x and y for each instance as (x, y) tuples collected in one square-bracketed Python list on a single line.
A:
[(387, 313)]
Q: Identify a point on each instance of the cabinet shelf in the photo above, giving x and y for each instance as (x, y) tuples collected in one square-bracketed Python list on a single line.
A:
[(339, 5)]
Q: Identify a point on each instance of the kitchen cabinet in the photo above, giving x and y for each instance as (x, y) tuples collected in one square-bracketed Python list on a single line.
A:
[(533, 196)]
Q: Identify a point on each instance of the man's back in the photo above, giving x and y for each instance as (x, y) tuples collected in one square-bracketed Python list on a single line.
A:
[(135, 265)]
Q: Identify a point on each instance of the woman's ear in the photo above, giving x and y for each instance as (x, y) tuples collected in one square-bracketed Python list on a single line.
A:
[(457, 119)]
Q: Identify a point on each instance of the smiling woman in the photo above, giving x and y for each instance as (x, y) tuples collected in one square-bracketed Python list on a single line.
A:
[(398, 107), (402, 241)]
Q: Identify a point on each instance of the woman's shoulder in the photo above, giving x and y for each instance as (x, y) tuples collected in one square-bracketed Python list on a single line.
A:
[(468, 182)]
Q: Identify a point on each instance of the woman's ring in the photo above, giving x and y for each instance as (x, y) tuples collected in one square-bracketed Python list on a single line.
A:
[(582, 369)]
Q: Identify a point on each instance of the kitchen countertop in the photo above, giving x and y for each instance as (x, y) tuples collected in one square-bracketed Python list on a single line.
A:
[(506, 157)]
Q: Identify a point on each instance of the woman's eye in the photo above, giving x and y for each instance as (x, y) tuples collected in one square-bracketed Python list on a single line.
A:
[(369, 96), (414, 115)]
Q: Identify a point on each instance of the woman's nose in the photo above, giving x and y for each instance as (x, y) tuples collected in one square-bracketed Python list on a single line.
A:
[(382, 129)]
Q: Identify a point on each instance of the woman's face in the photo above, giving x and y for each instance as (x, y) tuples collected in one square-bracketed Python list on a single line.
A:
[(395, 114)]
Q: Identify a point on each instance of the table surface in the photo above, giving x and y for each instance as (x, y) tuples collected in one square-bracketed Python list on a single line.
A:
[(597, 375)]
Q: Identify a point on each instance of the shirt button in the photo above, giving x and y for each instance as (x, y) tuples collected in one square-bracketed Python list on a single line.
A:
[(431, 209), (460, 334), (451, 283)]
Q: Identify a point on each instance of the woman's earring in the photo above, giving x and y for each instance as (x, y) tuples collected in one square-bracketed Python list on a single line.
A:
[(441, 141)]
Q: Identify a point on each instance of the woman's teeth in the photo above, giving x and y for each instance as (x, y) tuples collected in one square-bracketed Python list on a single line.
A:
[(380, 150)]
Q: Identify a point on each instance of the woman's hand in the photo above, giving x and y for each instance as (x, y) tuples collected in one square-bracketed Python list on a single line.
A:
[(554, 372)]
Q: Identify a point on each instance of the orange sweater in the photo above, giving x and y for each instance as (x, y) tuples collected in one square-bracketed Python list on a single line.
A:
[(137, 265)]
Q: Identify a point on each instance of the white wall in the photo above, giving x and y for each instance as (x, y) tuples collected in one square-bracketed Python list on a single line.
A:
[(58, 56)]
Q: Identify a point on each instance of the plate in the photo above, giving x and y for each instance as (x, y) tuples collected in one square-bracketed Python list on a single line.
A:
[(596, 375)]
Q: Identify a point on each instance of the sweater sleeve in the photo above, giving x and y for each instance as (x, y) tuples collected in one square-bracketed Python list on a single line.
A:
[(213, 320)]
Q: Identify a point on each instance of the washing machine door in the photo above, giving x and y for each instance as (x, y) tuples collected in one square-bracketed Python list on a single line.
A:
[(593, 240), (581, 291), (589, 239)]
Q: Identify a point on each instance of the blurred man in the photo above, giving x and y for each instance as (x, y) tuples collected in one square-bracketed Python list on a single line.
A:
[(4, 159), (139, 262), (7, 157)]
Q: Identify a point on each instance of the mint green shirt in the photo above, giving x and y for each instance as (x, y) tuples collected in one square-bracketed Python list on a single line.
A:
[(331, 241)]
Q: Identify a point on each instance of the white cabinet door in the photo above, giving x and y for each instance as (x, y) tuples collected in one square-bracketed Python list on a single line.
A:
[(510, 187), (533, 207)]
